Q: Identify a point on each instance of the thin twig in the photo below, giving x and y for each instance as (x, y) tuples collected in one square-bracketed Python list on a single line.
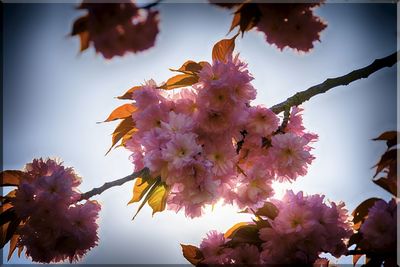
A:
[(104, 187), (148, 6), (330, 83)]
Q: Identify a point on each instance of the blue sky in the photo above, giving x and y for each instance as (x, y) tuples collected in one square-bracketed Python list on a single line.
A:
[(53, 96)]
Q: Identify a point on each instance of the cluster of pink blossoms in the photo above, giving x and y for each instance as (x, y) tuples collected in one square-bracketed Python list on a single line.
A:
[(55, 227), (304, 227), (380, 228), (117, 28), (208, 142), (293, 25)]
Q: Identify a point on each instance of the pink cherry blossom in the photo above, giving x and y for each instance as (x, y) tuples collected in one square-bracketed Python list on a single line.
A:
[(380, 227), (291, 155)]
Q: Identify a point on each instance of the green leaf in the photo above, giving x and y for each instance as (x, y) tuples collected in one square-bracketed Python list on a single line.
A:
[(233, 229), (245, 234), (268, 210), (192, 254)]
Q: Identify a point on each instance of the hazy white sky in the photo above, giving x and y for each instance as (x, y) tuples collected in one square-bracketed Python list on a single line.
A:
[(53, 97)]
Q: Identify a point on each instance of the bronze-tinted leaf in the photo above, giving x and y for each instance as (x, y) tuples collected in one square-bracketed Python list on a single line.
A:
[(223, 49), (128, 136), (268, 210), (356, 258), (389, 184), (140, 189), (180, 80), (189, 67), (354, 239), (10, 196), (7, 216), (122, 129), (390, 137), (158, 199), (121, 112), (80, 25), (361, 212), (84, 38), (387, 159), (192, 254), (229, 233), (235, 21), (20, 249), (13, 246), (250, 15), (128, 94), (11, 177), (12, 228)]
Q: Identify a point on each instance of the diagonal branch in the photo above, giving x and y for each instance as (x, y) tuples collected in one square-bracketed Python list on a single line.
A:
[(104, 187), (330, 83)]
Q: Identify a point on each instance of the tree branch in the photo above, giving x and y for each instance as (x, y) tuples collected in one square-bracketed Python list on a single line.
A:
[(104, 187), (330, 83)]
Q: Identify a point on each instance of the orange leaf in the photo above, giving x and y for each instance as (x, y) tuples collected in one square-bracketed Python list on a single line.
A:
[(80, 25), (231, 230), (122, 129), (390, 137), (250, 15), (121, 112), (191, 67), (140, 189), (20, 249), (235, 21), (11, 177), (223, 49), (361, 212), (180, 80), (389, 184), (388, 158), (127, 137), (128, 94), (84, 38), (192, 254), (356, 258), (13, 245)]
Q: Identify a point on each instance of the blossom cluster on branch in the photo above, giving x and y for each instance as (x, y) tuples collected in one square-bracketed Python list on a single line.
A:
[(208, 142), (43, 216), (293, 230), (116, 28)]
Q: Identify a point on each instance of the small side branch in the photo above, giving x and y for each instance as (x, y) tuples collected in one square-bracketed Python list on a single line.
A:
[(328, 84), (104, 187)]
